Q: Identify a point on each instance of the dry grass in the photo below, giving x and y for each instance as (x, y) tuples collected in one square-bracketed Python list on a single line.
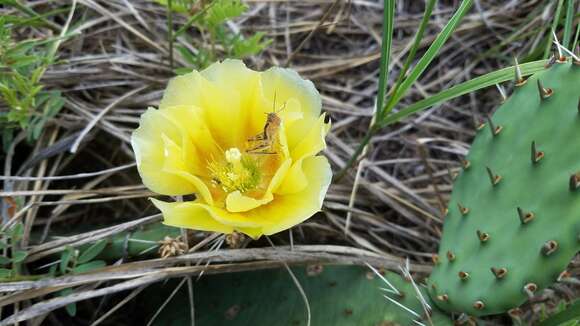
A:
[(80, 174)]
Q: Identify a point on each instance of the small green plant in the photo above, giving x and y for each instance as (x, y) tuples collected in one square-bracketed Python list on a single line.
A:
[(25, 104), (11, 255), (74, 261), (210, 18)]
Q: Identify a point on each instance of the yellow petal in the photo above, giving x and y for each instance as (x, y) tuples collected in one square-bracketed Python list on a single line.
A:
[(294, 181), (235, 220), (225, 100), (279, 176), (311, 143), (286, 211), (295, 131), (233, 74), (236, 202), (283, 141), (186, 215), (197, 141), (183, 90), (158, 151), (287, 84), (283, 91), (292, 112), (253, 233), (225, 92), (150, 154)]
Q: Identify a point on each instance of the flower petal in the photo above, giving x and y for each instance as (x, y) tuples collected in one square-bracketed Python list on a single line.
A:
[(183, 90), (254, 233), (283, 91), (288, 210), (202, 114), (294, 181), (236, 202), (197, 137), (186, 215), (311, 143), (287, 84), (279, 176), (228, 104), (226, 92), (233, 74), (158, 152)]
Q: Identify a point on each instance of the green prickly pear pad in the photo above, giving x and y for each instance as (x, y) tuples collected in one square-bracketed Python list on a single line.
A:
[(513, 220)]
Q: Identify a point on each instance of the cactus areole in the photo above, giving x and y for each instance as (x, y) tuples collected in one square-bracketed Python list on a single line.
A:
[(513, 222)]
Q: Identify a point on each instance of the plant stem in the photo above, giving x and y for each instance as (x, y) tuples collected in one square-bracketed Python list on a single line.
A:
[(355, 156)]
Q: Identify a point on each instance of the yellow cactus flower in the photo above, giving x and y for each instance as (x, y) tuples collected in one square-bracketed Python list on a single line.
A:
[(244, 142)]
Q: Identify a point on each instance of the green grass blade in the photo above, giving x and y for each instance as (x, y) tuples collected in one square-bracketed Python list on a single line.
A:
[(575, 43), (554, 26), (431, 53), (24, 8), (388, 20), (469, 86), (414, 47), (568, 23)]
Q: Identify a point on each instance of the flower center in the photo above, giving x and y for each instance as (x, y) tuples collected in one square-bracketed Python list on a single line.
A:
[(238, 172)]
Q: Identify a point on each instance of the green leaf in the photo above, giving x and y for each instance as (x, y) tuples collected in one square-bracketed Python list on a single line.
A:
[(180, 6), (92, 251), (4, 260), (246, 47), (182, 71), (24, 61), (65, 258), (472, 85), (89, 266), (223, 10), (193, 19), (7, 138), (430, 54), (37, 74), (54, 104), (5, 273), (187, 54), (18, 256), (17, 232), (71, 308), (36, 129)]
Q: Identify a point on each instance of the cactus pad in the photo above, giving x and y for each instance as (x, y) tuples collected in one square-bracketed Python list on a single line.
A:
[(338, 296), (513, 221)]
